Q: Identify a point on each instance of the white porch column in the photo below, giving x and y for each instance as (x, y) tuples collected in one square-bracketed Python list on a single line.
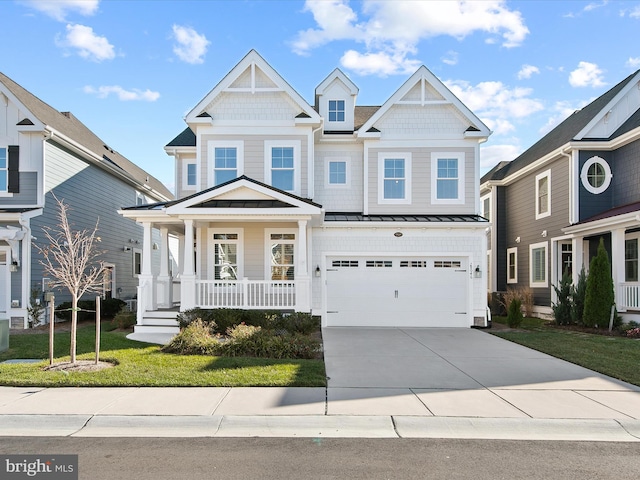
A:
[(146, 280), (188, 283), (303, 280), (577, 253), (617, 266), (164, 279)]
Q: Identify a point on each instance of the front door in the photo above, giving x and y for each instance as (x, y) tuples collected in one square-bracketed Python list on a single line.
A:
[(565, 259)]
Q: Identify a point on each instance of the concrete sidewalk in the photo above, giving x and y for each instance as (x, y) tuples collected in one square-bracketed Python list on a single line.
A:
[(300, 412)]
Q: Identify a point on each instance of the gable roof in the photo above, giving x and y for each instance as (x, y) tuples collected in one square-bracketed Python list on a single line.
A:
[(566, 132), (423, 74), (186, 138), (68, 125), (252, 60), (337, 74)]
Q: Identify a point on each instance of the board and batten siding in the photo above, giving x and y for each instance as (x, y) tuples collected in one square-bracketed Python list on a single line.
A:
[(92, 195), (520, 204), (421, 177), (254, 156)]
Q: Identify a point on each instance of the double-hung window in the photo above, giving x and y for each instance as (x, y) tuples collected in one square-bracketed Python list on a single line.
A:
[(394, 178), (336, 110), (226, 255), (226, 161), (538, 265), (543, 194), (512, 265), (447, 178), (282, 255), (225, 164), (4, 169), (282, 165), (631, 260), (191, 178)]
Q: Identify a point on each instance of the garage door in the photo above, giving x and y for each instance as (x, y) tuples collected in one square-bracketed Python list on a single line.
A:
[(396, 291)]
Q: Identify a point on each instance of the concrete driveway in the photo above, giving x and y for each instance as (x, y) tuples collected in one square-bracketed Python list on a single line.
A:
[(462, 372)]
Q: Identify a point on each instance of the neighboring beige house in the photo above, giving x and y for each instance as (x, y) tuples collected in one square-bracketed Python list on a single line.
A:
[(364, 215)]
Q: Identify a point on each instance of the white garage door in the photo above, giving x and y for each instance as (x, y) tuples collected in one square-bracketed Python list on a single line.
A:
[(397, 291)]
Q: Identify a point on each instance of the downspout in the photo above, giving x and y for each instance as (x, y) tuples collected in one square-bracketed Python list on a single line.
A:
[(312, 161), (26, 266), (572, 210)]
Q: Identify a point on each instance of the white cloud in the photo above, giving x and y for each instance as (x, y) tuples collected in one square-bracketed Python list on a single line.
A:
[(526, 71), (190, 46), (635, 13), (586, 75), (381, 63), (491, 155), (495, 103), (385, 31), (633, 62), (58, 9), (561, 111), (595, 5), (87, 43), (122, 94), (451, 58)]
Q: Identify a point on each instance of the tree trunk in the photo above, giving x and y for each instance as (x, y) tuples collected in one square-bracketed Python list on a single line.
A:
[(52, 317), (74, 328)]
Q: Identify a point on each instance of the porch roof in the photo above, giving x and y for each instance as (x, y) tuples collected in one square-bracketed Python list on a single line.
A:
[(621, 216)]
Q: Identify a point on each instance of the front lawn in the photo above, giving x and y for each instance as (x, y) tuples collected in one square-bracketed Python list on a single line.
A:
[(615, 356), (141, 364)]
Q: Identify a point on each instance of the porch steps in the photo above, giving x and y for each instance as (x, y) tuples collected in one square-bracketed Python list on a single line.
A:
[(158, 321)]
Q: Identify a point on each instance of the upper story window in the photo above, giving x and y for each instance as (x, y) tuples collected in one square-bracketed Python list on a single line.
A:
[(4, 169), (337, 172), (596, 175), (486, 206), (282, 165), (192, 175), (226, 161), (336, 110), (394, 178), (140, 200), (225, 164), (543, 194), (447, 178)]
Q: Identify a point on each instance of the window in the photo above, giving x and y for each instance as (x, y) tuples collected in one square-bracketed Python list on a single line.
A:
[(538, 264), (225, 164), (486, 207), (4, 170), (394, 182), (282, 254), (447, 179), (337, 172), (336, 110), (543, 194), (512, 265), (282, 165), (140, 200), (226, 161), (226, 256), (379, 264), (192, 176), (137, 261), (596, 175), (631, 260), (566, 259), (446, 264)]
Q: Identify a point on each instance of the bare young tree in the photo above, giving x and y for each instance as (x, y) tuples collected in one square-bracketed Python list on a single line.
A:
[(72, 260)]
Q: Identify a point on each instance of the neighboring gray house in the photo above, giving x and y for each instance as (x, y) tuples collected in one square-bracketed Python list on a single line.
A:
[(44, 152), (551, 206), (363, 215)]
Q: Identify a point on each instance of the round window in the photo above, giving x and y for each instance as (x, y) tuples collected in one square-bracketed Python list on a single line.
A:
[(596, 175)]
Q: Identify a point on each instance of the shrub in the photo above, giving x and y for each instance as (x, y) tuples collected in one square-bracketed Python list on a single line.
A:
[(268, 344), (194, 339), (599, 295), (514, 313), (562, 309), (242, 331), (124, 320), (109, 308), (299, 322), (633, 333), (188, 316), (578, 293)]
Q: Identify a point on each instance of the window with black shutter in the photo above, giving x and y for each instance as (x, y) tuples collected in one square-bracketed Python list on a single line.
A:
[(13, 184)]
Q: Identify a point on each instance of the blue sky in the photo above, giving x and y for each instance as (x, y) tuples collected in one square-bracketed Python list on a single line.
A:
[(130, 70)]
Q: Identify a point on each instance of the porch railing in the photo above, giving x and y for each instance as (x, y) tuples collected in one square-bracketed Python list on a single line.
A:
[(630, 296), (246, 294)]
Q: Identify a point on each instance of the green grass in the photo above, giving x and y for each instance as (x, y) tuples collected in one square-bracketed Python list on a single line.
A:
[(141, 364), (617, 357)]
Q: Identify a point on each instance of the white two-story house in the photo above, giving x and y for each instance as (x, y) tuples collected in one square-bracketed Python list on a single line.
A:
[(364, 215)]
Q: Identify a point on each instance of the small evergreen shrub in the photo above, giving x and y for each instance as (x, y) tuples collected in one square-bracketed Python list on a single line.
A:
[(578, 293), (299, 322), (599, 295), (124, 320), (562, 309), (194, 339), (633, 333), (514, 313), (188, 316)]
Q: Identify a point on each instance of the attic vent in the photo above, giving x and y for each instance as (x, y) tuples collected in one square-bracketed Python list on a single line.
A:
[(107, 147), (66, 114), (204, 114), (25, 121)]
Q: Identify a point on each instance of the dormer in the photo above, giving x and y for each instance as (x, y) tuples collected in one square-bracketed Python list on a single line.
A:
[(336, 101)]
